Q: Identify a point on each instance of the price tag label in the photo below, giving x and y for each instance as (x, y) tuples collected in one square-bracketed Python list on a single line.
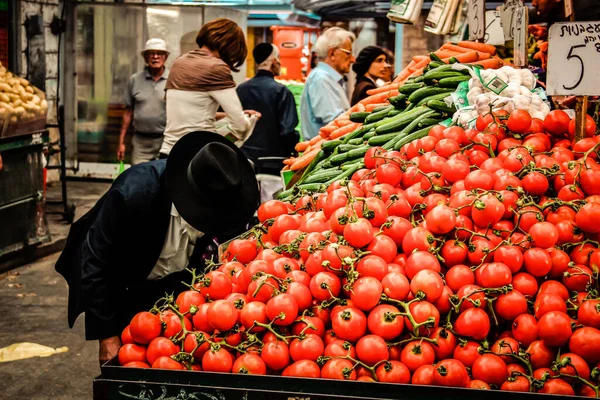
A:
[(573, 59), (476, 18), (494, 34), (507, 13), (520, 31)]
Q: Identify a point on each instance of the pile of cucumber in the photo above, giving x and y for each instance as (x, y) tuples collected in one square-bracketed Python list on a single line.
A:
[(410, 115)]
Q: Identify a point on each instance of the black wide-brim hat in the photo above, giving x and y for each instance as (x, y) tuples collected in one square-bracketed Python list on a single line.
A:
[(211, 183)]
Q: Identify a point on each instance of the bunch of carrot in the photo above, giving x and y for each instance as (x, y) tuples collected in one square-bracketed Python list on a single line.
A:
[(464, 52)]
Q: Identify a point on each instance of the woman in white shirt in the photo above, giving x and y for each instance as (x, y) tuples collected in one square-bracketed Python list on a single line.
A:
[(200, 81)]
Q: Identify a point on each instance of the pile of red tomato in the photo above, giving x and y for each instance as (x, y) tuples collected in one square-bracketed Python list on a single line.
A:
[(466, 259)]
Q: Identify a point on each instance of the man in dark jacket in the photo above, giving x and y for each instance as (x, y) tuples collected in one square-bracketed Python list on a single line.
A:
[(157, 219), (275, 132)]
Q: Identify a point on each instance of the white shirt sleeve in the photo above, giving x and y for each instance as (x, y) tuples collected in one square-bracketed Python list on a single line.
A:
[(230, 102)]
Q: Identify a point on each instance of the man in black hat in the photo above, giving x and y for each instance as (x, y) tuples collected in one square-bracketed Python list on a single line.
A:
[(157, 219), (371, 65), (275, 132)]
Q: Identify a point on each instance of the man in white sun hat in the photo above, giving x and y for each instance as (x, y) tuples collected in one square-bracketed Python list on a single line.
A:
[(146, 106)]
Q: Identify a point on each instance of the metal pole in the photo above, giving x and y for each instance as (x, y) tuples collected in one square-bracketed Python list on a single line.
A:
[(399, 48)]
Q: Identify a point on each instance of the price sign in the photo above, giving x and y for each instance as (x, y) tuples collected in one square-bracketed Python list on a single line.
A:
[(507, 13), (494, 34), (476, 18), (520, 31), (573, 59)]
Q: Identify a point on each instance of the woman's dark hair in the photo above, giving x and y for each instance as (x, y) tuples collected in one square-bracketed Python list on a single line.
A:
[(227, 38)]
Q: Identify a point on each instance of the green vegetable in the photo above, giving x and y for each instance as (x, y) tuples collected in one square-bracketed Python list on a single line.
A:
[(378, 115), (441, 106), (400, 121), (323, 175), (422, 93), (330, 145), (346, 174), (413, 136), (359, 116), (453, 82), (321, 155), (409, 88)]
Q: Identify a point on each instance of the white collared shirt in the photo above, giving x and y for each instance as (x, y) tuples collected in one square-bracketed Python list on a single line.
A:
[(177, 248)]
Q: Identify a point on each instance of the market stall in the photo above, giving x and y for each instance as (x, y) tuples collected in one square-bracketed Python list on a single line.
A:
[(440, 238), (23, 136)]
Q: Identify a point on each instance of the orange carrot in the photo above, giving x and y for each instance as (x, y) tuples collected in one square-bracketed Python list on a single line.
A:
[(315, 140), (491, 63), (289, 161), (471, 56), (485, 48), (324, 134), (371, 107), (344, 130), (342, 121), (417, 59), (403, 75), (304, 160), (421, 64), (384, 88), (359, 107), (417, 72), (455, 48), (328, 128), (301, 146), (446, 53), (380, 97)]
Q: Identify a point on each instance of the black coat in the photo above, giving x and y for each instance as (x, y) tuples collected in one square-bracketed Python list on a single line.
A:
[(363, 84), (275, 132), (112, 249)]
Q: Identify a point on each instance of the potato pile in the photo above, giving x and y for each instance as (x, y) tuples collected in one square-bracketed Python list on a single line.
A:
[(19, 100)]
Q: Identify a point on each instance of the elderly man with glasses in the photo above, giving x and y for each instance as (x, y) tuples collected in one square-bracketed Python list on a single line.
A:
[(325, 96), (146, 106)]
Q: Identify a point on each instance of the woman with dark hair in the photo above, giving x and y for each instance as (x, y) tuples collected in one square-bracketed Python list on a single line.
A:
[(371, 65), (200, 81)]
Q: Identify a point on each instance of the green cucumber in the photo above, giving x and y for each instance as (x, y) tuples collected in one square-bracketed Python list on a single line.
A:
[(359, 116), (321, 155), (346, 174), (401, 121), (453, 82), (393, 113), (441, 106), (323, 175), (358, 132), (378, 109), (369, 135), (409, 128), (430, 121), (437, 75), (435, 57), (347, 147), (311, 187), (435, 64), (350, 155), (422, 93), (440, 96), (409, 88), (411, 137), (352, 164), (330, 145), (398, 101), (378, 115), (359, 140), (380, 140)]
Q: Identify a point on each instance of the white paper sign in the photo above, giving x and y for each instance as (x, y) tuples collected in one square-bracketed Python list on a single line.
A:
[(476, 18), (573, 59), (494, 34), (520, 31), (507, 13)]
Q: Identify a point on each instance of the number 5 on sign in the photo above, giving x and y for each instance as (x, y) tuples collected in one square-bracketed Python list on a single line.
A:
[(476, 18), (573, 59)]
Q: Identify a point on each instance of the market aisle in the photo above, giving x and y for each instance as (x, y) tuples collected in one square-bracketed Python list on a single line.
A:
[(33, 303)]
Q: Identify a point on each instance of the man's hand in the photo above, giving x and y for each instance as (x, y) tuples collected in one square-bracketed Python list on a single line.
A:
[(109, 348), (121, 152), (252, 112)]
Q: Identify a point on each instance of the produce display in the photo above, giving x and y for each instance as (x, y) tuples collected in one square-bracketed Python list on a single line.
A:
[(410, 79), (463, 258), (19, 100)]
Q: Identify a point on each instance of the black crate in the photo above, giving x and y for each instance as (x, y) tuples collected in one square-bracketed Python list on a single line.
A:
[(134, 383)]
